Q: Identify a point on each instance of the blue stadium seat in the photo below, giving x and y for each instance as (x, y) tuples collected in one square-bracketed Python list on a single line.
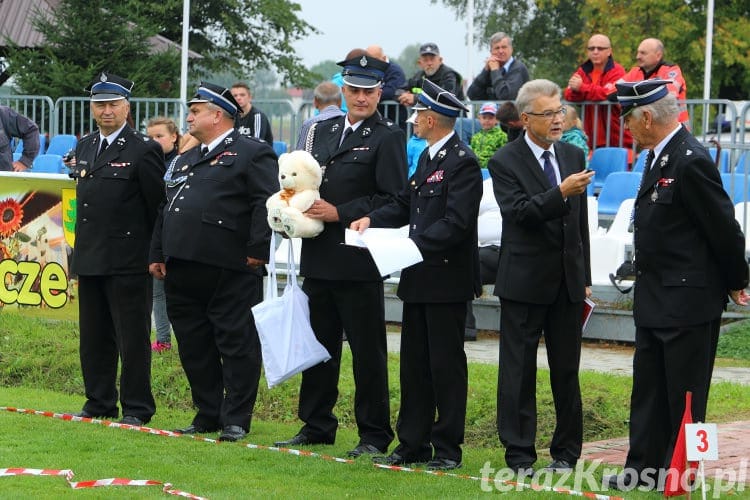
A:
[(604, 161), (618, 187), (640, 161), (42, 143), (742, 163), (48, 164), (723, 162), (61, 144), (17, 156), (734, 185), (279, 147)]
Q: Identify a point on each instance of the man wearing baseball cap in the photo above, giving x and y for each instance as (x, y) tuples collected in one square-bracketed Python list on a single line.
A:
[(364, 157), (119, 187), (432, 69), (210, 244)]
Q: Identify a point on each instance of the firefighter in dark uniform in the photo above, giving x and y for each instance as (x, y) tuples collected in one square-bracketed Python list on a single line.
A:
[(364, 157), (210, 243), (441, 205), (689, 260), (119, 188)]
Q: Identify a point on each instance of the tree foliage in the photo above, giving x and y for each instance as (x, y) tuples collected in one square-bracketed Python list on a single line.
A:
[(551, 35), (236, 35), (84, 37), (87, 37)]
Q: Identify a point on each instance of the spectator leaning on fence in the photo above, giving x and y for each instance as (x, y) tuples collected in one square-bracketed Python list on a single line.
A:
[(14, 125), (594, 80), (502, 74)]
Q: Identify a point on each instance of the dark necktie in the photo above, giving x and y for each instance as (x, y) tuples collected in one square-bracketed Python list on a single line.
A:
[(347, 132), (549, 170), (103, 146), (204, 151)]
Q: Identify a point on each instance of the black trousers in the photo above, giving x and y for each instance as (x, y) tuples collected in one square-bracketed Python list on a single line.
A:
[(521, 326), (667, 363), (434, 381), (209, 308), (115, 324), (357, 308)]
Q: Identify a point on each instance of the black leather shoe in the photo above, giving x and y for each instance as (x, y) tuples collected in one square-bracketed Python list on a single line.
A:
[(232, 433), (364, 449), (560, 466), (396, 459), (85, 414), (131, 420), (196, 429), (299, 440), (443, 464), (620, 482)]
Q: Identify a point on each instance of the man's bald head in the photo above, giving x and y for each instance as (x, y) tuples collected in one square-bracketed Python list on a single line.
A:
[(376, 51)]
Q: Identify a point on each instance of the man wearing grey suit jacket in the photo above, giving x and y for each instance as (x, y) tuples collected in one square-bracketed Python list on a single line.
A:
[(543, 277)]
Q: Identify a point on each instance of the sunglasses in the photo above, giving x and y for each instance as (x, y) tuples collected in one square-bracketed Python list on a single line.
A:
[(600, 49)]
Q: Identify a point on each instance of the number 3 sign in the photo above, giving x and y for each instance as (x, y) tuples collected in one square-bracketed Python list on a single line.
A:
[(702, 442)]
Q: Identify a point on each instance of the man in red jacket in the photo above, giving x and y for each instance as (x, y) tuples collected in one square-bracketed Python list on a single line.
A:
[(595, 80), (651, 65)]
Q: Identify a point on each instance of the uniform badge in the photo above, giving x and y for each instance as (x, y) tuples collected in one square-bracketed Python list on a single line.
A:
[(688, 152), (228, 140), (663, 161), (363, 61), (437, 176), (654, 195), (335, 127), (103, 78), (120, 141), (83, 173), (185, 167), (461, 153), (441, 154), (366, 131)]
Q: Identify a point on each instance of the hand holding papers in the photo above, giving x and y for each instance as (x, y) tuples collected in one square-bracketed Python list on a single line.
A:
[(391, 249)]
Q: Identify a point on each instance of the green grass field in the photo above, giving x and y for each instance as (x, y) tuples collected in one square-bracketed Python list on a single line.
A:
[(39, 369)]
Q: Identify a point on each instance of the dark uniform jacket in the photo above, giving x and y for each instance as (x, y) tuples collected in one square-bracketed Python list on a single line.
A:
[(441, 206), (215, 211), (445, 77), (117, 199), (690, 251), (499, 85), (366, 172), (545, 238)]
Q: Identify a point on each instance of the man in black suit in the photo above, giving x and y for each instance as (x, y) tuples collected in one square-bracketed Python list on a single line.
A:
[(689, 256), (441, 205), (119, 188), (364, 157), (543, 277), (210, 243)]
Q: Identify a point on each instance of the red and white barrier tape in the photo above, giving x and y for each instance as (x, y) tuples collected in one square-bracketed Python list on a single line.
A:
[(115, 481), (306, 453)]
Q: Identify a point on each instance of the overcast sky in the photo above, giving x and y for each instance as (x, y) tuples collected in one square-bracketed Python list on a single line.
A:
[(393, 24)]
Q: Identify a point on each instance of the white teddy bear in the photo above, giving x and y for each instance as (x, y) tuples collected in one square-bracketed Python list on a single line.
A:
[(300, 177)]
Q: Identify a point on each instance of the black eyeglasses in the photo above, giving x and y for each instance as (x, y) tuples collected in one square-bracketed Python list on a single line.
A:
[(547, 115), (600, 49)]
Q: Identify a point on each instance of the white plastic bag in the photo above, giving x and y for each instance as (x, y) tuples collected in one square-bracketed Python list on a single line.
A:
[(287, 341)]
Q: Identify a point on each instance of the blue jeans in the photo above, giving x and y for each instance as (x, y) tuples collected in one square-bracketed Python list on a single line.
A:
[(159, 311)]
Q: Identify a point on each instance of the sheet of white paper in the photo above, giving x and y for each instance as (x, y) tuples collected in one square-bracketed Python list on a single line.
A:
[(391, 249)]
